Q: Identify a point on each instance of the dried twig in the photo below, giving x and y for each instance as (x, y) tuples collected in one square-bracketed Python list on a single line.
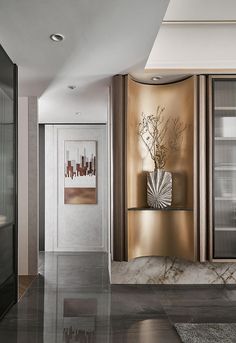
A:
[(153, 131)]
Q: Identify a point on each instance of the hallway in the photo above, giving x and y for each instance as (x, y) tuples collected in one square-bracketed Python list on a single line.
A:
[(71, 301)]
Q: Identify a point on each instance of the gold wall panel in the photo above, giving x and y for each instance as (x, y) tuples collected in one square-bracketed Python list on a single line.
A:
[(166, 232), (178, 100), (160, 233)]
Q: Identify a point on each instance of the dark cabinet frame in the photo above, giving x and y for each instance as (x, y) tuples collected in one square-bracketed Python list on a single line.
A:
[(210, 170), (9, 298)]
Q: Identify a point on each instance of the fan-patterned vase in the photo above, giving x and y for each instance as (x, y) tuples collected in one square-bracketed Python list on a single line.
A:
[(159, 189)]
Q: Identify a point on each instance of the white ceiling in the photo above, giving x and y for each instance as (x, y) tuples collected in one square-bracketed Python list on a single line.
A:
[(103, 38), (201, 10), (107, 37), (188, 42)]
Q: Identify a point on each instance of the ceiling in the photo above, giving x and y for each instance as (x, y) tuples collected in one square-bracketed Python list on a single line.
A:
[(108, 37), (197, 36), (102, 38), (201, 10)]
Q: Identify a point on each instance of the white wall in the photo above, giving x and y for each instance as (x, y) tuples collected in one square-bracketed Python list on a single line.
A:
[(28, 235), (74, 227), (23, 185)]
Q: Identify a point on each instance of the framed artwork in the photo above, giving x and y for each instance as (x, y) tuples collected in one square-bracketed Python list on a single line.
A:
[(80, 172)]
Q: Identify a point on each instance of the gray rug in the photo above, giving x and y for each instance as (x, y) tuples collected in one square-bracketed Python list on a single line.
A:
[(206, 333)]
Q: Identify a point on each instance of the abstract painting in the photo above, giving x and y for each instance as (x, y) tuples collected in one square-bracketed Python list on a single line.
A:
[(80, 172)]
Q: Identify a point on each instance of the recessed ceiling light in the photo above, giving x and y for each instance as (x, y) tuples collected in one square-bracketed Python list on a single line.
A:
[(156, 78), (57, 37), (72, 87)]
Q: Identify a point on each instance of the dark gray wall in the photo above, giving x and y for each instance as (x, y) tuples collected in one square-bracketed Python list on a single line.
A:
[(33, 186), (41, 188)]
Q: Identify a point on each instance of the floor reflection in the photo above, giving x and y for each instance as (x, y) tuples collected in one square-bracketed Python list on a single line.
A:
[(71, 301), (151, 331), (83, 336), (79, 320), (76, 285)]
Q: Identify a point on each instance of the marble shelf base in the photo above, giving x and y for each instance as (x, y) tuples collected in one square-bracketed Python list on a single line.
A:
[(168, 270)]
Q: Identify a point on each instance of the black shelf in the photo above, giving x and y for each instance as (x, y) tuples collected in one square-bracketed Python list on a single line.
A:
[(160, 209)]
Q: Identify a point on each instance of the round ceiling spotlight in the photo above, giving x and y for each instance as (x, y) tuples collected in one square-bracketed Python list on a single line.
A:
[(57, 37), (72, 87), (156, 78)]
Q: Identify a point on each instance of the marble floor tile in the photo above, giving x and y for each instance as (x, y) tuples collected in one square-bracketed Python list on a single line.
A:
[(72, 301), (201, 314), (192, 295), (135, 301)]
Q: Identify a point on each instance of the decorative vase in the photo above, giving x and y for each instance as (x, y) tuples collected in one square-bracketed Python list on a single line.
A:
[(159, 188)]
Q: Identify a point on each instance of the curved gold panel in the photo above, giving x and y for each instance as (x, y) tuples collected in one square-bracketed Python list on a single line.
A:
[(160, 233), (168, 232), (178, 100)]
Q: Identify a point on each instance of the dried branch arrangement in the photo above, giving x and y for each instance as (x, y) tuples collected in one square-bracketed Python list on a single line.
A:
[(159, 135)]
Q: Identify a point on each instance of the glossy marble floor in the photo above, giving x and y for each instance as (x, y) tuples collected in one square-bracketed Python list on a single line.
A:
[(71, 301), (24, 282)]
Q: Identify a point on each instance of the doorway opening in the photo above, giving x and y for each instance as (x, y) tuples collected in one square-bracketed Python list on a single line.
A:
[(73, 188)]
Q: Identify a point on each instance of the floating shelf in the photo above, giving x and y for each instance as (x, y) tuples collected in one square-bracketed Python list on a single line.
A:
[(160, 209), (226, 168), (225, 108), (225, 229), (225, 138)]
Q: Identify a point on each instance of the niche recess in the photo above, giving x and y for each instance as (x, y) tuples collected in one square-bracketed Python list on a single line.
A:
[(139, 230)]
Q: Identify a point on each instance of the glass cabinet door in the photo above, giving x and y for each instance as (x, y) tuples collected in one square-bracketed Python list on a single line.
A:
[(224, 167), (8, 220)]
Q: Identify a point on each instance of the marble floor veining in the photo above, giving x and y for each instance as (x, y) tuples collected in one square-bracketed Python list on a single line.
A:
[(72, 301)]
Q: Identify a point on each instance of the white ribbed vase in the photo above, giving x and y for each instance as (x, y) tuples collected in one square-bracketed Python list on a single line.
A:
[(159, 189)]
